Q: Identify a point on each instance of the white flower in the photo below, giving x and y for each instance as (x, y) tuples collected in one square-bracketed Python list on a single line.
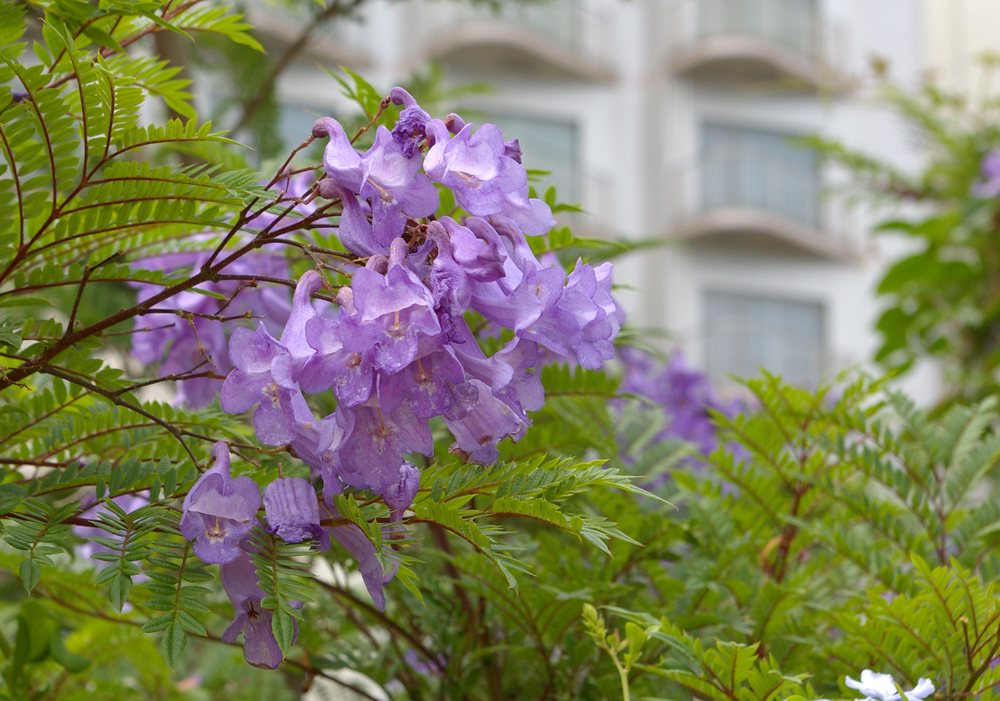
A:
[(882, 687), (923, 689)]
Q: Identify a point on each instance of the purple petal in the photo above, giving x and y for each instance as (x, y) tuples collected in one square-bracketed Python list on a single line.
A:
[(274, 419), (399, 496), (292, 509), (478, 434), (340, 161), (372, 454)]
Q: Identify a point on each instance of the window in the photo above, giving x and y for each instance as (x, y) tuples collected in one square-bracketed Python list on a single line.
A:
[(745, 333), (296, 123), (759, 169), (546, 145)]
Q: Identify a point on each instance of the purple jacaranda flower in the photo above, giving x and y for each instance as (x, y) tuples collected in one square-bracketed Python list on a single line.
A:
[(239, 578), (399, 495), (267, 370), (355, 230), (474, 166), (372, 453), (587, 297), (292, 511), (989, 186), (433, 385), (507, 373), (393, 310), (219, 511), (449, 283), (524, 392), (288, 368), (341, 162), (512, 149), (685, 393), (391, 180), (395, 186), (356, 543), (571, 316), (478, 433), (252, 382), (199, 343), (351, 373), (317, 441), (476, 247), (409, 129)]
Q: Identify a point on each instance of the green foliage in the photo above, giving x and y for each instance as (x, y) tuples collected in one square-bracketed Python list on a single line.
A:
[(176, 576), (942, 294)]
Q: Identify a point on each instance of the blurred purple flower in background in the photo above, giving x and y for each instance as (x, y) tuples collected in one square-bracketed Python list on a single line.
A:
[(684, 392), (989, 186), (127, 502)]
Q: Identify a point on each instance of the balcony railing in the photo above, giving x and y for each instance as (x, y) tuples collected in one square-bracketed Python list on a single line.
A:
[(791, 24), (754, 189), (556, 37), (758, 170), (557, 21), (780, 43)]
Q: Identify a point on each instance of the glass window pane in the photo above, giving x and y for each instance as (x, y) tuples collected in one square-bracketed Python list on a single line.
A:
[(546, 145), (745, 333), (759, 169)]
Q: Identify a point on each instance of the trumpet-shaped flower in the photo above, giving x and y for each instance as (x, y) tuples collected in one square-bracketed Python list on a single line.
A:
[(239, 578), (219, 511)]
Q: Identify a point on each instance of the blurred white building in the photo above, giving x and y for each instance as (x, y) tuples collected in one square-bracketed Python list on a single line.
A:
[(957, 33), (674, 119)]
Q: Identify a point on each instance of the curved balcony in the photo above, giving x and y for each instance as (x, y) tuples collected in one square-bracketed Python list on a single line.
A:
[(755, 191), (761, 43), (760, 231), (540, 41)]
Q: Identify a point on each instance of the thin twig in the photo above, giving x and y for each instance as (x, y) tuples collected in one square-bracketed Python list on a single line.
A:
[(118, 401)]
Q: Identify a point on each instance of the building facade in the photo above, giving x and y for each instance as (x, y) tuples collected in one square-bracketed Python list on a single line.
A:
[(677, 120)]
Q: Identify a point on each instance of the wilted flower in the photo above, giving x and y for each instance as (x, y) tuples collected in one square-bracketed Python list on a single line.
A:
[(356, 543), (292, 511)]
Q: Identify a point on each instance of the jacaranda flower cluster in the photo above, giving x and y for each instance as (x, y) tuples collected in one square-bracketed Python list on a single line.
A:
[(397, 349)]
